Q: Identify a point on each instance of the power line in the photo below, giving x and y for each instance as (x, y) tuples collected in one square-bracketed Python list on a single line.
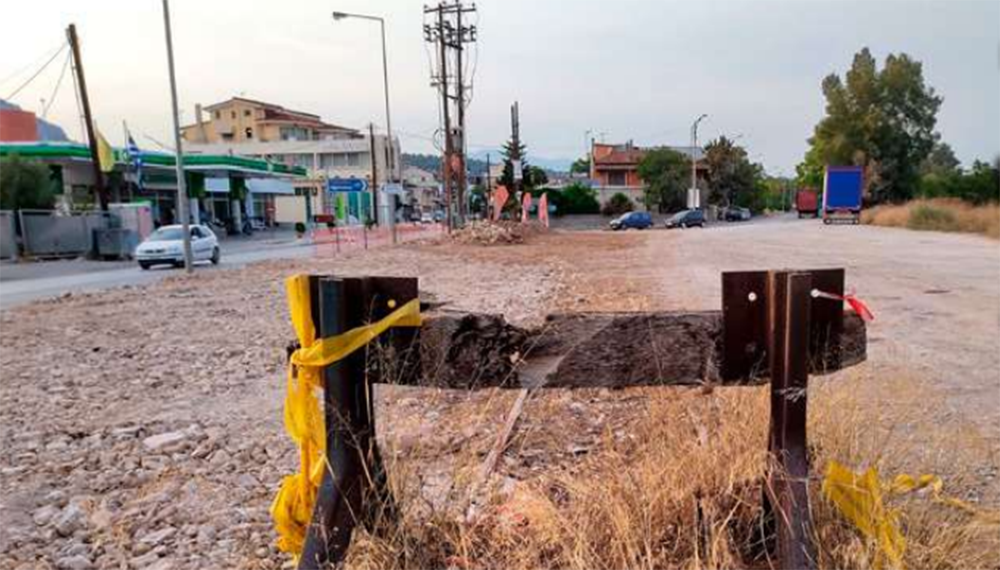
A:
[(55, 91), (27, 66), (36, 74)]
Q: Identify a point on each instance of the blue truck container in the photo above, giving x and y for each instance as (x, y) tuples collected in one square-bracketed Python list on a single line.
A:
[(842, 188)]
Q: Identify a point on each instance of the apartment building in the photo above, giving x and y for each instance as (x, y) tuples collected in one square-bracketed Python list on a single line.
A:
[(328, 152)]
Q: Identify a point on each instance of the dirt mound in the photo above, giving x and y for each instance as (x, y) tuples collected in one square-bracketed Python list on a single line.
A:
[(495, 233)]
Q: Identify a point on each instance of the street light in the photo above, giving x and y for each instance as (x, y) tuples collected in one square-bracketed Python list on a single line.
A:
[(694, 200), (182, 199), (337, 16)]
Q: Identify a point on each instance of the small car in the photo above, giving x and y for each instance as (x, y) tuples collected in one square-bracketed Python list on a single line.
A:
[(687, 219), (736, 214), (637, 220), (166, 246), (426, 218)]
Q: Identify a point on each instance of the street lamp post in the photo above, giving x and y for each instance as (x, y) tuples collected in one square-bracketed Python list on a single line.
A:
[(694, 201), (182, 199), (391, 159)]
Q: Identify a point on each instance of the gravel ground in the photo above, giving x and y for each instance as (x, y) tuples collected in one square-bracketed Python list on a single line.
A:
[(142, 426)]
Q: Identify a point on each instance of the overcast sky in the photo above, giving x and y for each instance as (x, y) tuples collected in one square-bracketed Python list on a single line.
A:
[(630, 69)]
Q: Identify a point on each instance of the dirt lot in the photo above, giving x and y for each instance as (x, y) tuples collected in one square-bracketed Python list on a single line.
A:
[(142, 426)]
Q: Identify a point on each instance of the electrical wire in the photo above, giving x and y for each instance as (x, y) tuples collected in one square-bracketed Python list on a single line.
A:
[(36, 74), (55, 91), (27, 66)]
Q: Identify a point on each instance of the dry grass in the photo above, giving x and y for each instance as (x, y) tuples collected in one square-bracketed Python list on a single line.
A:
[(938, 214), (684, 490)]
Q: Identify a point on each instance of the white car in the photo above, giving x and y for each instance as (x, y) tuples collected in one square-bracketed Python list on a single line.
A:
[(166, 246), (426, 218)]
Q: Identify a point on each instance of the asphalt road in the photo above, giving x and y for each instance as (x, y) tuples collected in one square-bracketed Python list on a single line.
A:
[(51, 279)]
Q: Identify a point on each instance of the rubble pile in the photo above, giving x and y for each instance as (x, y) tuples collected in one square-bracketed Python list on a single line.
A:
[(494, 233)]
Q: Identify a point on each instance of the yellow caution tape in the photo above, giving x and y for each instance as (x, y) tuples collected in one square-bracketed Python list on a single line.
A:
[(860, 499), (292, 507)]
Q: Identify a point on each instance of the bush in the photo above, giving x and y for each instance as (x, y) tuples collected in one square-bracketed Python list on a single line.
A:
[(300, 228), (576, 198), (617, 205), (25, 184), (931, 217)]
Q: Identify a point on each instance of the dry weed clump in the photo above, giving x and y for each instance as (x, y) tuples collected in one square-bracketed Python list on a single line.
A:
[(685, 491), (938, 214)]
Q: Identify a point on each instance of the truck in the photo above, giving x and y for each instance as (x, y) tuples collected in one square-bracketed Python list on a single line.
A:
[(842, 189), (807, 203)]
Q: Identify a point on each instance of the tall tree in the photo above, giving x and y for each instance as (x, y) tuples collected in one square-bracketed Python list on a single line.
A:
[(941, 161), (730, 173), (580, 166), (882, 120), (665, 173), (25, 184)]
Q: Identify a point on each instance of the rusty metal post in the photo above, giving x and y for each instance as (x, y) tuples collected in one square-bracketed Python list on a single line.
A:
[(354, 487), (789, 301)]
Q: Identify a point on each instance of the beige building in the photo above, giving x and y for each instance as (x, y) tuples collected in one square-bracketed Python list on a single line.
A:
[(330, 153)]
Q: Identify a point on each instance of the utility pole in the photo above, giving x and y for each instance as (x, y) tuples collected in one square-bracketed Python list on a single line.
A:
[(182, 199), (452, 36), (99, 187), (489, 189), (515, 152), (374, 186), (694, 200)]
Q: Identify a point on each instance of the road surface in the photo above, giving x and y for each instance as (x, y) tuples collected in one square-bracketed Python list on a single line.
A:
[(55, 278)]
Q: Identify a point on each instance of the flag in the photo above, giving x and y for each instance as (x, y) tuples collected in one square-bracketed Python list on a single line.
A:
[(543, 209), (525, 207), (105, 156), (499, 199), (134, 157)]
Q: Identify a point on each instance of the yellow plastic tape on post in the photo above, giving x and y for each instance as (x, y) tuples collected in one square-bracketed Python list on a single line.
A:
[(292, 507), (859, 498)]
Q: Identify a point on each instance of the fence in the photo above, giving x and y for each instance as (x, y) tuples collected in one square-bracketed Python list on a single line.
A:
[(8, 235), (47, 233), (342, 239)]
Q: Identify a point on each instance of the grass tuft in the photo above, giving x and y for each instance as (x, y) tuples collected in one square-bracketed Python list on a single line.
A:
[(938, 214)]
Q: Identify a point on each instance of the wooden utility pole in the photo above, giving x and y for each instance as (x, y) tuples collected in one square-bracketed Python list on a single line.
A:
[(100, 190), (515, 152)]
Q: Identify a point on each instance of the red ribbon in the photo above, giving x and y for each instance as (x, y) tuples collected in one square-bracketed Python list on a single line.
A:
[(851, 299)]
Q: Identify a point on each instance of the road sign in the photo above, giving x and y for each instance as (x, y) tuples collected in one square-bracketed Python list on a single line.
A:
[(346, 185), (393, 188)]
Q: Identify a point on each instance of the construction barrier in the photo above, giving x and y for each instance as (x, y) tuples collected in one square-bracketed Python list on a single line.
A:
[(344, 239)]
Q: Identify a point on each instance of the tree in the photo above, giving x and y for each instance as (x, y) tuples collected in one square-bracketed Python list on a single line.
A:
[(617, 205), (580, 166), (981, 184), (730, 173), (535, 177), (882, 120), (940, 161), (576, 198), (25, 184), (665, 173)]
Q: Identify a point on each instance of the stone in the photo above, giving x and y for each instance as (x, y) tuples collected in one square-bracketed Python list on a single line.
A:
[(155, 442), (70, 520), (43, 515), (155, 538), (77, 562)]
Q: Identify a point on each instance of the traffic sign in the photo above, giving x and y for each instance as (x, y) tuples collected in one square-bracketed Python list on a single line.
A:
[(346, 185)]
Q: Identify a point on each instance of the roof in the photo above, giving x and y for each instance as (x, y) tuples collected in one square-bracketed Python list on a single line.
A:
[(193, 162), (264, 104), (626, 155), (277, 114)]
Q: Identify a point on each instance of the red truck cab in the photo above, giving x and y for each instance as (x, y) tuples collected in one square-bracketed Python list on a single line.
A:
[(807, 203)]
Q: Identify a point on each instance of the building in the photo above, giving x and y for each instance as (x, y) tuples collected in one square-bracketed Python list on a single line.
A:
[(614, 168), (18, 125), (222, 188), (329, 153), (423, 190)]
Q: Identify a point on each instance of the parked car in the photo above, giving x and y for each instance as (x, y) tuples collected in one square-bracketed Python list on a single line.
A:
[(736, 214), (687, 219), (166, 246), (426, 218), (439, 216), (637, 220)]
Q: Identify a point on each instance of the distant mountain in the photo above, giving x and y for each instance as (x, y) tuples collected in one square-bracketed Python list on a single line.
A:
[(46, 131), (432, 163), (549, 164)]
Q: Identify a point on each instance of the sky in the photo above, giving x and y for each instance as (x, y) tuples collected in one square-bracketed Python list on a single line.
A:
[(638, 70)]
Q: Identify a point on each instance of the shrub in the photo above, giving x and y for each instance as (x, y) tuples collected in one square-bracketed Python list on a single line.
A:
[(25, 184), (939, 214), (300, 228), (617, 205), (932, 217), (576, 198)]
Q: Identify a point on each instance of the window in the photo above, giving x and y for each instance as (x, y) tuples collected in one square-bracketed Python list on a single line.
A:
[(246, 112), (218, 114), (248, 132), (354, 159), (233, 114), (616, 178)]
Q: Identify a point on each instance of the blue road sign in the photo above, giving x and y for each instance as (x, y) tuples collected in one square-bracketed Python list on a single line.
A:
[(346, 185)]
